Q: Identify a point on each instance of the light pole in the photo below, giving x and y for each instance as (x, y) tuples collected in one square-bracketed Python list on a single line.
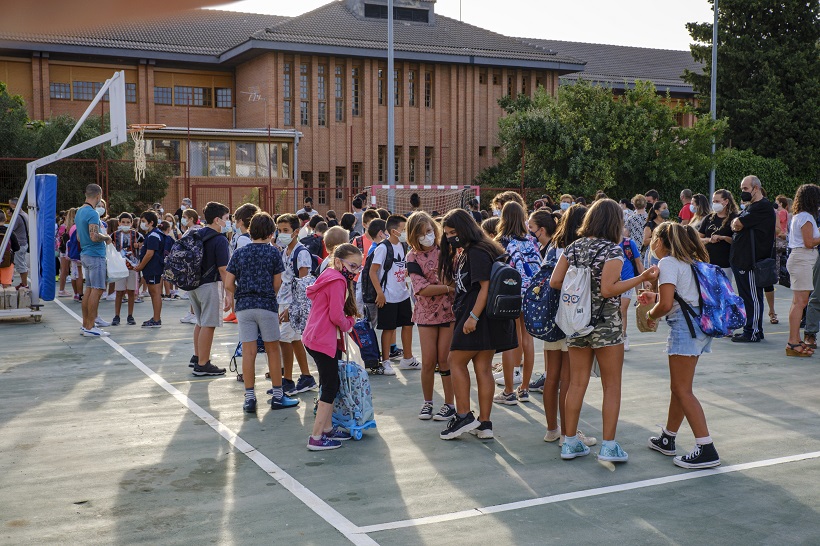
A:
[(391, 98), (713, 96)]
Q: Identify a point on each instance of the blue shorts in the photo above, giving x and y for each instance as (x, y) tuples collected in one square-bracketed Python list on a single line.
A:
[(94, 272), (680, 341), (152, 279)]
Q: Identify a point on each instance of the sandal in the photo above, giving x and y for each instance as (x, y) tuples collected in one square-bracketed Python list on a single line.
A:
[(773, 318), (797, 349), (810, 344)]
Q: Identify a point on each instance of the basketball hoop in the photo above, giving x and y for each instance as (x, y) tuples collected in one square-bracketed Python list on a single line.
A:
[(137, 132)]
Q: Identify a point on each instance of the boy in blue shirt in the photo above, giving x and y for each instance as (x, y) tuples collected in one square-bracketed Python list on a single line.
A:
[(633, 266), (152, 262)]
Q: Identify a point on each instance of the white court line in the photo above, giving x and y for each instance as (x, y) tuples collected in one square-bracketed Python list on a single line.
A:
[(310, 499), (475, 512)]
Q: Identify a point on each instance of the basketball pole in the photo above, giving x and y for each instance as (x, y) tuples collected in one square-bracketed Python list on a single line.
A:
[(713, 96), (391, 122)]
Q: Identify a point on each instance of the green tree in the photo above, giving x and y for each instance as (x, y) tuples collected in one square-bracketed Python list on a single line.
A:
[(768, 80), (584, 139), (14, 136)]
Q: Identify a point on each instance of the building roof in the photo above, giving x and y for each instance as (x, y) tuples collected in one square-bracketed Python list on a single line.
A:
[(620, 66)]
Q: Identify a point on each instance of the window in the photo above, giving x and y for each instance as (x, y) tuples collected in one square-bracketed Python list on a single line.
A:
[(482, 151), (322, 194), (307, 178), (428, 165), (130, 92), (192, 96), (287, 93), (525, 85), (85, 90), (285, 160), (355, 91), (208, 158), (356, 178), (411, 173), (428, 89), (340, 183), (396, 87), (496, 77), (538, 83), (411, 87), (304, 94), (321, 92), (252, 159), (510, 85), (414, 15), (340, 94), (382, 159), (381, 86), (60, 91), (496, 150), (482, 76), (397, 164), (162, 95), (224, 97)]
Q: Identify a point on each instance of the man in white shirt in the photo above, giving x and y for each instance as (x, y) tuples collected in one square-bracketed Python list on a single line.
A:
[(308, 207)]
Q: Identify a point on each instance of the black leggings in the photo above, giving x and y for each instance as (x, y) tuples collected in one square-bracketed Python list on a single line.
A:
[(328, 367)]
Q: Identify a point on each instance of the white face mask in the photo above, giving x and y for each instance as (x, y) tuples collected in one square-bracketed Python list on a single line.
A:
[(143, 226), (228, 228), (183, 207), (184, 221), (403, 237), (125, 229), (284, 239), (100, 211), (496, 212), (428, 240), (717, 207)]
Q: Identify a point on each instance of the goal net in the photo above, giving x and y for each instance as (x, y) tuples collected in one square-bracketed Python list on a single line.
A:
[(434, 199)]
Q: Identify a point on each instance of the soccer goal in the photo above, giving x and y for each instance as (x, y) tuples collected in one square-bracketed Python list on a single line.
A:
[(440, 199)]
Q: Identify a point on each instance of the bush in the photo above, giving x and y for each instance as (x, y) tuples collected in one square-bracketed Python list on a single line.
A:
[(733, 165)]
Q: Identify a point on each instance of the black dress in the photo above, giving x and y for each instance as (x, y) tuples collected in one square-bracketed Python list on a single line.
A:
[(473, 265)]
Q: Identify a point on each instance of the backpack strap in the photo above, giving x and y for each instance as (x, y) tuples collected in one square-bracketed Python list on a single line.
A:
[(413, 267), (688, 313), (388, 261), (295, 260)]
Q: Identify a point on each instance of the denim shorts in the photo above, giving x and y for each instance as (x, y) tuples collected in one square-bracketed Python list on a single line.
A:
[(680, 341), (94, 271)]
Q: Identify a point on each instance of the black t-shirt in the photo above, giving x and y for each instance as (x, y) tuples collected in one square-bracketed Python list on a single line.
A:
[(718, 252), (216, 254), (476, 216), (473, 266), (758, 218)]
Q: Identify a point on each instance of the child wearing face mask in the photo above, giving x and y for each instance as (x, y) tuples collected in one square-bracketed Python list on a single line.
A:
[(151, 265), (375, 233), (126, 241), (433, 312)]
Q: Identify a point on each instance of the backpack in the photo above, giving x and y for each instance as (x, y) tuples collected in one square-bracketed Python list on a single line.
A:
[(8, 257), (73, 246), (574, 314), (315, 263), (313, 244), (300, 304), (721, 310), (525, 258), (368, 290), (504, 294), (626, 246), (365, 337), (541, 303), (183, 265)]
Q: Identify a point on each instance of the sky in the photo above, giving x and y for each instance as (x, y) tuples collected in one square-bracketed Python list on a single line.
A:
[(644, 23)]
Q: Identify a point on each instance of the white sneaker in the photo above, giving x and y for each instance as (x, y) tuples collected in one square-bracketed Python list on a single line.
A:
[(101, 323), (517, 377), (95, 332), (63, 294), (409, 364), (183, 295), (586, 440), (190, 318), (388, 368), (626, 343), (553, 435)]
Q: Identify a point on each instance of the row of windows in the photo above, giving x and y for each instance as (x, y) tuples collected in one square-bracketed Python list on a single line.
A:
[(182, 95), (412, 169), (86, 91), (411, 88), (340, 180)]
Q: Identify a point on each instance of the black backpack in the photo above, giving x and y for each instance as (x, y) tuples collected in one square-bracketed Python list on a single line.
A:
[(315, 264), (504, 295), (368, 290)]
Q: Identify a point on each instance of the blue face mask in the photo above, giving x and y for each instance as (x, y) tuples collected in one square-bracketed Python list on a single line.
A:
[(565, 205)]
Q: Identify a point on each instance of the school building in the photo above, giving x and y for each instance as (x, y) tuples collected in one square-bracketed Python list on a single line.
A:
[(269, 103)]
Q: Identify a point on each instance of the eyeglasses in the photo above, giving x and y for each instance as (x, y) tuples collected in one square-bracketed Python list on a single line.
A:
[(353, 268)]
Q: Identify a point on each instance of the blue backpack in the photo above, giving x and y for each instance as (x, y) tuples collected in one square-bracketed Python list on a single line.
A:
[(73, 247), (541, 303), (525, 258), (721, 310), (365, 337)]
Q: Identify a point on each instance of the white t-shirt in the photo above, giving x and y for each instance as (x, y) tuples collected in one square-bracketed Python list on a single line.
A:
[(796, 227), (284, 296), (313, 212), (673, 271), (395, 290)]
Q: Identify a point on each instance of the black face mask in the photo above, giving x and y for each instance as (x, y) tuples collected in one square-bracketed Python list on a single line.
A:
[(308, 208), (349, 275), (745, 196), (454, 242)]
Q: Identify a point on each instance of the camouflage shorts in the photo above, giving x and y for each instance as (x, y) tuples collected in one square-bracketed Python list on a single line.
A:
[(608, 332)]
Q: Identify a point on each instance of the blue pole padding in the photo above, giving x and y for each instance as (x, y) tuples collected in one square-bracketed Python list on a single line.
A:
[(46, 191)]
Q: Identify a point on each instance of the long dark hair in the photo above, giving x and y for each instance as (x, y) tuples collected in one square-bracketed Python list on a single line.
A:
[(806, 199), (341, 252), (567, 231), (471, 236), (654, 214)]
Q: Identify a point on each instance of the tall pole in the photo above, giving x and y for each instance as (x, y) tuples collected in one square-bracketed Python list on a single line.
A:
[(391, 99), (713, 95)]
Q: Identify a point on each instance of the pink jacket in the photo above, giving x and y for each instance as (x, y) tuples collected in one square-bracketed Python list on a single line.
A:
[(327, 315)]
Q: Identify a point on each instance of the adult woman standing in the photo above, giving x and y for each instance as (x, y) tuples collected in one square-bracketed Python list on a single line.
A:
[(803, 238), (716, 230), (701, 208), (637, 220)]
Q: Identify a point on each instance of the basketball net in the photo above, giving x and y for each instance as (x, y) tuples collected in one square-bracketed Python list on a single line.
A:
[(138, 135)]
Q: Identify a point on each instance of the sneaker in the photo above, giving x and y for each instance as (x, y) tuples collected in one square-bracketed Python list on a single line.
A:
[(409, 364), (663, 444), (193, 362), (115, 321), (484, 431), (322, 444), (570, 451), (138, 299), (287, 386), (587, 440), (283, 403), (130, 320), (705, 456), (230, 318), (94, 332), (426, 412), (626, 343), (101, 323), (508, 399), (338, 433), (183, 295), (613, 454), (553, 435), (523, 396), (190, 318), (207, 369), (458, 426), (377, 370), (63, 294), (445, 413), (78, 297), (396, 353), (388, 368), (303, 384), (538, 384), (249, 406), (151, 323), (517, 377)]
